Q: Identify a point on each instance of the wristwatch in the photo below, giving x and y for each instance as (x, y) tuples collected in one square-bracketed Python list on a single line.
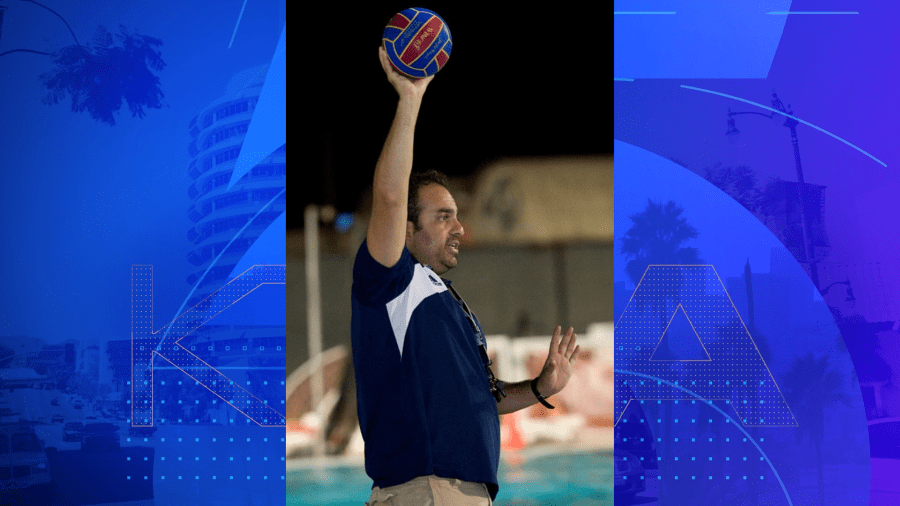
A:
[(541, 398)]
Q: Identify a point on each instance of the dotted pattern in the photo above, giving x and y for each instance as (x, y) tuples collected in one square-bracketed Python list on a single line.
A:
[(694, 441), (146, 342), (734, 372), (699, 455), (143, 342), (235, 463)]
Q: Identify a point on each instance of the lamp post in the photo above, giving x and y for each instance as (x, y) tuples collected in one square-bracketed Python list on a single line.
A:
[(791, 123), (314, 319), (850, 297)]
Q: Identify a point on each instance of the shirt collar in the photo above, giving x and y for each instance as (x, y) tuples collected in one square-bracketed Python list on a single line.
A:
[(446, 281)]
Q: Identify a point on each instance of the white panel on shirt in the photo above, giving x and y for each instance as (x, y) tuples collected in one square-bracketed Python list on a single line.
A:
[(424, 284)]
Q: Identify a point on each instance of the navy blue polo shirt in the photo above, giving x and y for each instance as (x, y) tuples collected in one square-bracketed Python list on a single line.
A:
[(423, 396)]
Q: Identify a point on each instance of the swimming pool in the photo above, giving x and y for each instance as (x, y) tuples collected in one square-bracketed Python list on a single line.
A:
[(529, 478)]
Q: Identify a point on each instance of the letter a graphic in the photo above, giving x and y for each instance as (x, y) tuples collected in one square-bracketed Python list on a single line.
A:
[(715, 358)]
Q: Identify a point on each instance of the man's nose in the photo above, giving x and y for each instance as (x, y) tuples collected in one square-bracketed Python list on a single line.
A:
[(458, 229)]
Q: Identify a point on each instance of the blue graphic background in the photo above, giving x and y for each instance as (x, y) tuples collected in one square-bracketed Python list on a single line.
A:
[(830, 71), (84, 200), (695, 39), (706, 445)]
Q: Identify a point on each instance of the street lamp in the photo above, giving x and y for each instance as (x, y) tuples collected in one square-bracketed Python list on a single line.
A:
[(732, 132), (849, 296), (791, 123)]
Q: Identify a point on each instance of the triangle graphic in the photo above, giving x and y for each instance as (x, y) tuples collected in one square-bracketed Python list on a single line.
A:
[(268, 249), (679, 341), (267, 129)]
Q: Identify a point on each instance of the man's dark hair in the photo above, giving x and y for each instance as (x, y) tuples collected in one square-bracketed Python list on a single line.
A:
[(416, 181)]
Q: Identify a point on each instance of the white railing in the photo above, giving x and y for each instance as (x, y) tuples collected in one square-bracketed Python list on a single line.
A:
[(584, 406)]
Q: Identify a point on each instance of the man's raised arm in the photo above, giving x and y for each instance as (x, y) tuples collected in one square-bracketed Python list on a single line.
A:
[(387, 227)]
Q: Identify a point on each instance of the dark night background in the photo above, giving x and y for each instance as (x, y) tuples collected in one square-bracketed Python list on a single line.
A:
[(520, 81)]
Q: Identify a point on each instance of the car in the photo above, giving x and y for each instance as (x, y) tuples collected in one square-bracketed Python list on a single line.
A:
[(23, 461), (55, 401), (629, 476), (100, 436), (77, 403), (57, 417), (7, 415), (72, 431)]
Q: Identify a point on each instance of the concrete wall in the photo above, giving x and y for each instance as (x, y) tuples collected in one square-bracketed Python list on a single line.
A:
[(517, 291)]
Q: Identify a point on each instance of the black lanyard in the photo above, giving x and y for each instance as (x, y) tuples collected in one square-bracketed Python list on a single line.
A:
[(495, 384)]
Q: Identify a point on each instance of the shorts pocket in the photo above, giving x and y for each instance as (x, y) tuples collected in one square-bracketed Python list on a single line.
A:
[(381, 498)]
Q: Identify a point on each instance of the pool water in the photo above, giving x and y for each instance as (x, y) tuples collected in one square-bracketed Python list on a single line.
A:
[(526, 479)]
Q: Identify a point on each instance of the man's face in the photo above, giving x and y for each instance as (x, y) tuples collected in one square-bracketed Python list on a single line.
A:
[(437, 243)]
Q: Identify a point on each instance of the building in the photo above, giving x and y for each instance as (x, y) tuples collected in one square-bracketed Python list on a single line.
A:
[(217, 215)]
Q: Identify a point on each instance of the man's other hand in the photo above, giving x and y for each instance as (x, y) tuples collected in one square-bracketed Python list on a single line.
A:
[(560, 362)]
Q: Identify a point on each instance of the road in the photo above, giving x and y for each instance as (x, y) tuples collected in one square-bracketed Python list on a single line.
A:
[(79, 477)]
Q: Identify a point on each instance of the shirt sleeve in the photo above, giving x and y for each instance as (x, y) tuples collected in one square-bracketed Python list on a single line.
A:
[(375, 284)]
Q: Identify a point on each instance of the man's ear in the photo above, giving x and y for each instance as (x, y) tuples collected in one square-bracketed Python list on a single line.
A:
[(410, 230)]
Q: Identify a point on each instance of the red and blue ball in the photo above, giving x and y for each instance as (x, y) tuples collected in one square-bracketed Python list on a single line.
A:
[(417, 42)]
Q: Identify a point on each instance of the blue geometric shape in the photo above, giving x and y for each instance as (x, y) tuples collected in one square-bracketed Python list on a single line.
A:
[(215, 261), (680, 341), (268, 249), (787, 13), (259, 307), (267, 130), (736, 40), (146, 344), (747, 435), (735, 371)]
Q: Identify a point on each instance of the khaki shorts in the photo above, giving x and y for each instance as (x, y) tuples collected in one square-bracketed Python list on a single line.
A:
[(431, 491)]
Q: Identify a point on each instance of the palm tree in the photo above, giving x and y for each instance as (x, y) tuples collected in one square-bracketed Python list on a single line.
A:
[(101, 75), (810, 387), (658, 236)]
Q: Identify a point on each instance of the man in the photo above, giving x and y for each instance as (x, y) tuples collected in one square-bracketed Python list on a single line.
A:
[(428, 404)]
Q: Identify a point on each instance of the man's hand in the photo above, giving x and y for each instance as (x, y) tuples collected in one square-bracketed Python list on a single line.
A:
[(406, 86), (554, 376), (560, 361)]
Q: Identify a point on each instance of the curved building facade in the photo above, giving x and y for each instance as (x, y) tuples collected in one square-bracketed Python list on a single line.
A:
[(217, 215)]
